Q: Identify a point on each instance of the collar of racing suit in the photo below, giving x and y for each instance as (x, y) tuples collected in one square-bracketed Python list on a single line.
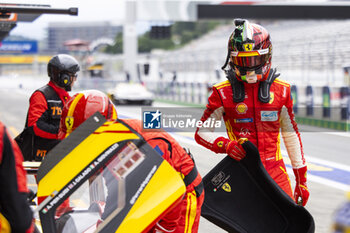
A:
[(63, 94)]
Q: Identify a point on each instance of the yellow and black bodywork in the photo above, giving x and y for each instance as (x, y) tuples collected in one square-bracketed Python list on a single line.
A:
[(113, 180)]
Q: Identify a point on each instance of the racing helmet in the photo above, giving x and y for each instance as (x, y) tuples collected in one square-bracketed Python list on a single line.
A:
[(249, 49), (83, 105), (62, 70)]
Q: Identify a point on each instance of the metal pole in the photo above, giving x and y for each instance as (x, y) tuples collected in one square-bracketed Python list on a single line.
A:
[(130, 40), (38, 10)]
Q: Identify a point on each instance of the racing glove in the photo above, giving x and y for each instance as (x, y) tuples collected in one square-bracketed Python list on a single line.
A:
[(233, 148), (301, 191)]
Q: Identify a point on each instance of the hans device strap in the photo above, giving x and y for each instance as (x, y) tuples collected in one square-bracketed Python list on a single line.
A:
[(237, 86), (264, 87)]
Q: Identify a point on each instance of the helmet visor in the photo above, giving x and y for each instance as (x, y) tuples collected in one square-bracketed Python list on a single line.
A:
[(251, 60)]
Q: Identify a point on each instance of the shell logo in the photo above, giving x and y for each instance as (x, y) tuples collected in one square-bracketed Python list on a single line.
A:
[(241, 108)]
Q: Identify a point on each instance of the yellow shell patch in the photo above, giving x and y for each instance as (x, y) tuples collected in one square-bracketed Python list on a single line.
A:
[(241, 108)]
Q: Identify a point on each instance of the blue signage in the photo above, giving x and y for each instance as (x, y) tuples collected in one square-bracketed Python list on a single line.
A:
[(19, 47)]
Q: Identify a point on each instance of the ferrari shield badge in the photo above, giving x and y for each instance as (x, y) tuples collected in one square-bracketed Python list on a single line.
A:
[(248, 46), (69, 122), (226, 187)]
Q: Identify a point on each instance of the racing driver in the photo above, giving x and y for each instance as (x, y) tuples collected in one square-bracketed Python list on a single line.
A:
[(256, 105)]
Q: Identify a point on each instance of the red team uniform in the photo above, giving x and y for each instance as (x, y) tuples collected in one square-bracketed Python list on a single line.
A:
[(257, 106), (260, 123), (15, 213)]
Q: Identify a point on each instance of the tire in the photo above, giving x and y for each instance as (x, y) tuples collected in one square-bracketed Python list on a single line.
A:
[(148, 102)]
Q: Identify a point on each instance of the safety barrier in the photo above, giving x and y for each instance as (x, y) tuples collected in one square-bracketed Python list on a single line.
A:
[(330, 103), (320, 102), (324, 106), (321, 106)]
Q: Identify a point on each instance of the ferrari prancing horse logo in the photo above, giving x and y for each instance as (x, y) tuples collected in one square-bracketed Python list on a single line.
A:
[(226, 187), (220, 144), (69, 122), (248, 47)]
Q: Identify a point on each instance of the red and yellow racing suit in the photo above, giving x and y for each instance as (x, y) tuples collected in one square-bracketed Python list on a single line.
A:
[(15, 213), (260, 122), (185, 217)]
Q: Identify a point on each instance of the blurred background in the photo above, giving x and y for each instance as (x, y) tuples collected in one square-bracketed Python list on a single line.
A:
[(170, 53), (176, 48)]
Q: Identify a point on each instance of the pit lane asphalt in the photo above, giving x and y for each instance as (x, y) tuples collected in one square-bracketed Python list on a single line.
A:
[(327, 150)]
